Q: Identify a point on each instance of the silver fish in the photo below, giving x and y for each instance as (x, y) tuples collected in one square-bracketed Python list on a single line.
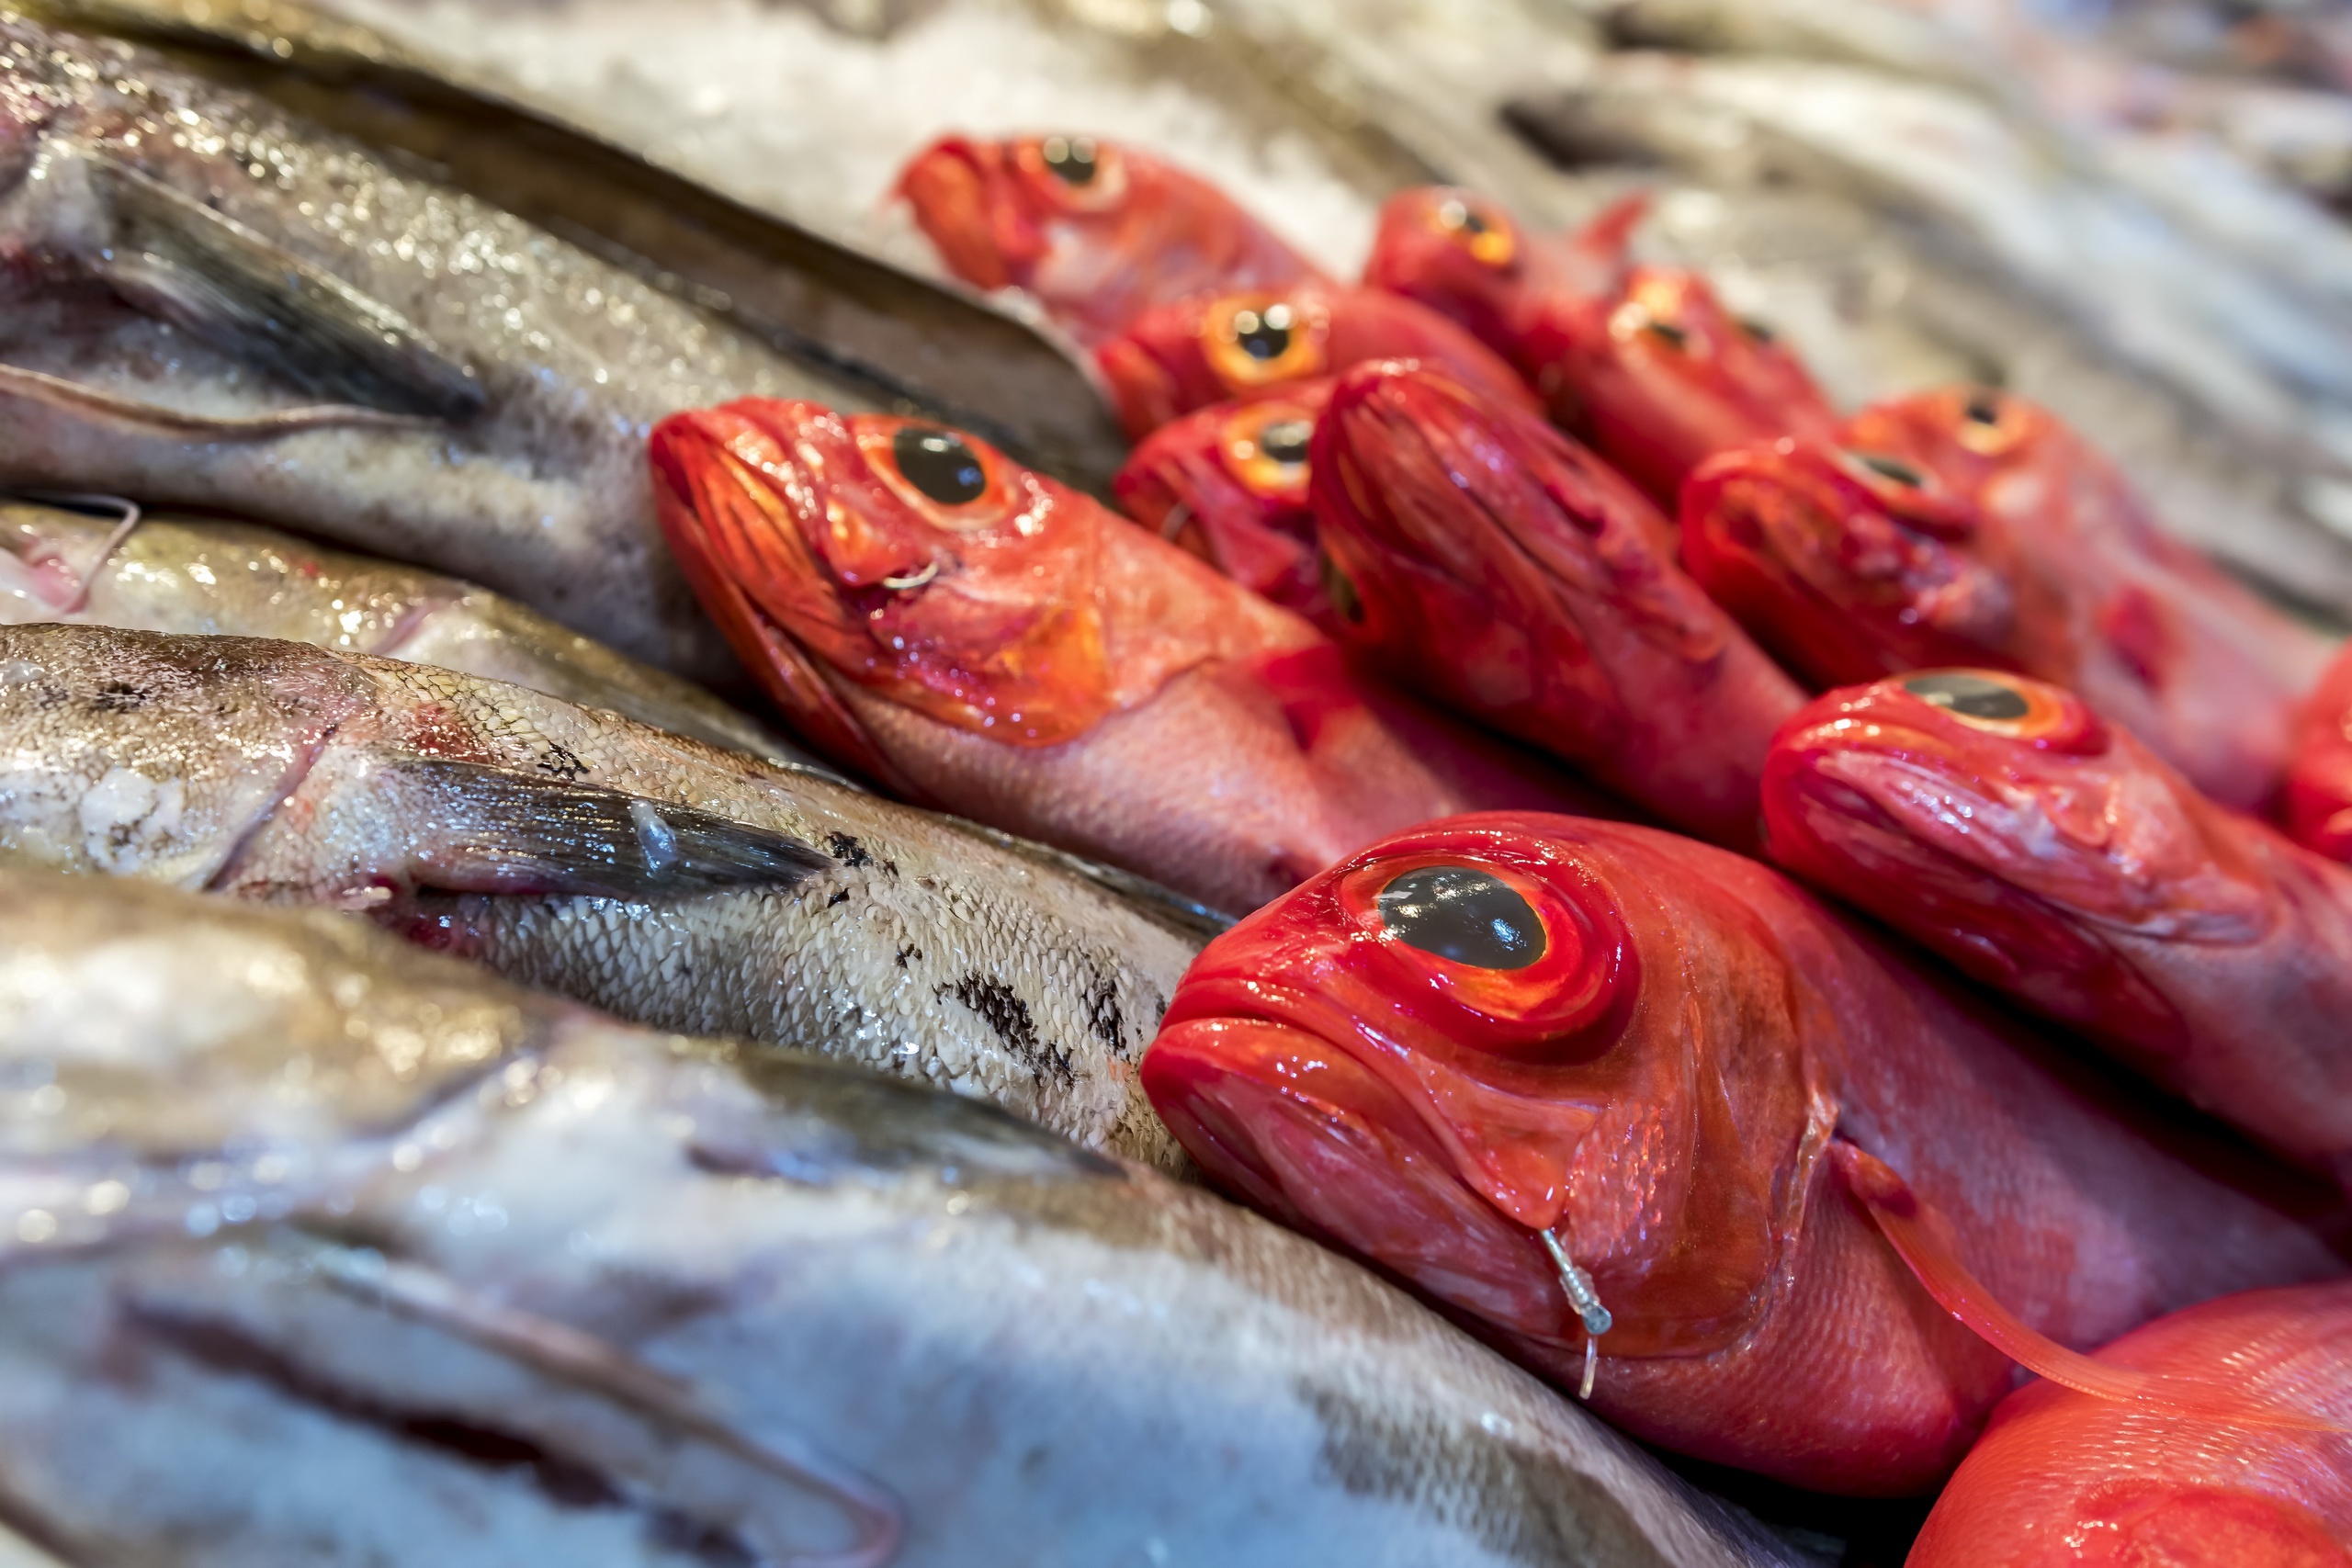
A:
[(146, 572), (668, 882), (609, 1299)]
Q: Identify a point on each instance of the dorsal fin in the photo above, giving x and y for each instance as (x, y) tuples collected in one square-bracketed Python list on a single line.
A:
[(1921, 1239)]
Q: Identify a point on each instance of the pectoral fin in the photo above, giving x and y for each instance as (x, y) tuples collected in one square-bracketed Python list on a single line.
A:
[(489, 831), (177, 259)]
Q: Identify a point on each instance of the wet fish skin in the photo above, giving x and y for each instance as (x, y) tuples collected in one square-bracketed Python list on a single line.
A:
[(626, 1296), (2317, 806), (541, 495), (667, 881), (205, 575)]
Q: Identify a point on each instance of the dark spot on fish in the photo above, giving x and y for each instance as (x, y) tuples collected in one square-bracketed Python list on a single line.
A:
[(909, 950), (119, 696), (563, 763), (1758, 330), (1284, 441), (1984, 408), (1463, 914), (847, 849), (1516, 1502), (1894, 469), (939, 463), (1103, 1015), (1971, 696), (1009, 1016), (1264, 334), (1072, 158), (1338, 590), (1667, 334), (840, 896)]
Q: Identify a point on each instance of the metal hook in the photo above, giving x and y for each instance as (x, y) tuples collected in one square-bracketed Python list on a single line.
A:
[(916, 581), (1577, 1284)]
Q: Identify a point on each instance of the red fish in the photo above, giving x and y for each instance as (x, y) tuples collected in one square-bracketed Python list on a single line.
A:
[(1096, 233), (1998, 821), (1961, 528), (1643, 362), (972, 635), (2319, 774), (2061, 1480), (1229, 483), (1600, 1090), (1245, 343), (1487, 561)]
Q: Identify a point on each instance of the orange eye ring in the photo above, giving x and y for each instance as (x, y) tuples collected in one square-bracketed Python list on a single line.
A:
[(1075, 172), (1999, 703), (1486, 234), (954, 480), (1263, 340), (1991, 424), (1264, 447)]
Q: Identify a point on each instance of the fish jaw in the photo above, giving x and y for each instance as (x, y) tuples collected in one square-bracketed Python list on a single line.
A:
[(1205, 483), (1485, 559), (2318, 794)]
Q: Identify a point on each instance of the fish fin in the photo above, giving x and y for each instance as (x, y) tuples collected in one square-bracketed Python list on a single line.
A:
[(175, 259), (1601, 251), (72, 397), (494, 830), (1921, 1239)]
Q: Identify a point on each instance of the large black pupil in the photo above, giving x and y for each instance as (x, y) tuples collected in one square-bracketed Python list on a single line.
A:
[(1971, 696), (1285, 442), (1263, 335), (1984, 410), (1469, 916), (939, 463), (1073, 160), (1900, 472)]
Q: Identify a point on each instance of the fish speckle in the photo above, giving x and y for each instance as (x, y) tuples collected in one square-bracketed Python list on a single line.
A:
[(1003, 1012)]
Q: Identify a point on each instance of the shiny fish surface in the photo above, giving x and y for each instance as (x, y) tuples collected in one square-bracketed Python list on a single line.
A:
[(575, 851), (645, 1301), (210, 577)]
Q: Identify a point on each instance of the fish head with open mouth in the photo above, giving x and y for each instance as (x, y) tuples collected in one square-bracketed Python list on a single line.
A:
[(1245, 343), (1229, 483), (1096, 231)]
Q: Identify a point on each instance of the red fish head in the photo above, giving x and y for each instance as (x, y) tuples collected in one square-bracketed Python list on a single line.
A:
[(1215, 348), (1098, 233), (2318, 796), (1229, 483), (1457, 254), (1496, 1026), (1849, 564), (2007, 816)]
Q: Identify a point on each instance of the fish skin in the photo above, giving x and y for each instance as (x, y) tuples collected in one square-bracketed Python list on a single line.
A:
[(434, 802), (2020, 548), (1204, 483), (204, 576), (1501, 571), (567, 1274), (1645, 363), (2058, 1469), (1096, 253), (540, 495), (2318, 796), (1028, 658), (1190, 355), (1683, 1084), (2057, 860)]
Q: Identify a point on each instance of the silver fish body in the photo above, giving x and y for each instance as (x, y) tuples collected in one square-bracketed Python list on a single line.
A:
[(209, 577), (666, 881), (619, 1300)]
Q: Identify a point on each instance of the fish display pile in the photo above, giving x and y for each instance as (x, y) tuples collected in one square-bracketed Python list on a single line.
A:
[(888, 782)]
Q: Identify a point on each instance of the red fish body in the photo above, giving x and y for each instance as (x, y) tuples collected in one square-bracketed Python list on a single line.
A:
[(972, 635), (1489, 562), (1246, 344), (1961, 527), (1701, 1087), (1229, 483), (1996, 820), (2061, 1480), (1097, 233), (2318, 776), (1643, 362)]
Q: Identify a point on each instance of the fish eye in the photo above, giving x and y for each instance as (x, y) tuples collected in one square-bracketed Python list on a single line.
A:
[(1258, 344), (1893, 468), (1284, 441), (1964, 696), (1464, 915), (939, 463), (1264, 334), (1758, 330), (1667, 334), (1984, 408), (1264, 447), (1488, 239), (1071, 158), (2006, 706)]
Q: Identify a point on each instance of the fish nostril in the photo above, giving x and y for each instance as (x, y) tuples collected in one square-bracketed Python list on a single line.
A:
[(1465, 915), (1969, 697)]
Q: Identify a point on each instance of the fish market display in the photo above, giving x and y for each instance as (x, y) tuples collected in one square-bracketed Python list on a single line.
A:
[(1998, 821), (966, 632), (1097, 233), (1214, 347), (670, 882), (504, 1277), (1644, 362), (2318, 798), (2062, 1478), (1491, 562), (1962, 527), (201, 575), (1229, 483), (1669, 1132)]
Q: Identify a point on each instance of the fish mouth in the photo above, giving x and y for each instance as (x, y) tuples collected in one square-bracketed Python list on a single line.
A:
[(965, 203)]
